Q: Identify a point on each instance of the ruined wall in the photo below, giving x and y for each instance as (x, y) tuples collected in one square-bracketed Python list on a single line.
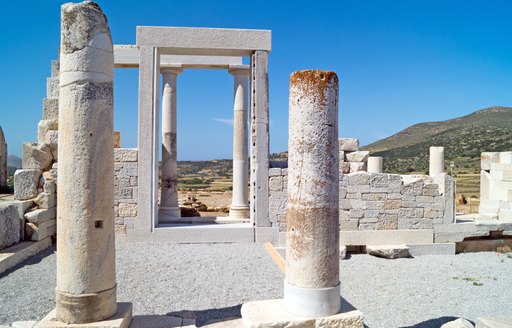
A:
[(125, 188), (496, 185), (35, 185), (378, 201)]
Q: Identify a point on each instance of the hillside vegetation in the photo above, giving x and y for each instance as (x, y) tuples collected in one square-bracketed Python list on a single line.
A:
[(463, 139)]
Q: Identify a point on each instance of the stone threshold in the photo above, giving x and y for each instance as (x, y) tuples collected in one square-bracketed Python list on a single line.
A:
[(12, 256), (169, 221)]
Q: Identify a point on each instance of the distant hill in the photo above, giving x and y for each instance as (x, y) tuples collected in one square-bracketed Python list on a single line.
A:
[(463, 138), (13, 161)]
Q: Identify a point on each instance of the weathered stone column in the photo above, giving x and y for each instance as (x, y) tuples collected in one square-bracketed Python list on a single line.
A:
[(312, 286), (436, 161), (374, 164), (240, 204), (3, 160), (169, 170), (86, 276)]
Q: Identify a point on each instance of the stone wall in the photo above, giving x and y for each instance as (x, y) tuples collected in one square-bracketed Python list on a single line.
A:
[(126, 188), (378, 201), (35, 185), (496, 185)]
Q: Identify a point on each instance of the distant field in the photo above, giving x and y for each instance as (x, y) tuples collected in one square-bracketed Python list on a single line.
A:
[(468, 185)]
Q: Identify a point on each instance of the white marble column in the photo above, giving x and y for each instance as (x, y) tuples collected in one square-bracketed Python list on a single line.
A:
[(312, 286), (436, 161), (240, 204), (86, 274), (374, 164), (169, 207)]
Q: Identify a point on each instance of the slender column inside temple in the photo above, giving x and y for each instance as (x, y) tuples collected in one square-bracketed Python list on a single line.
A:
[(240, 204), (3, 160), (86, 276), (374, 164), (169, 205), (312, 286), (436, 161)]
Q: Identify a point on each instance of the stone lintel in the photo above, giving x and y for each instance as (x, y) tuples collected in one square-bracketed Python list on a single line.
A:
[(272, 313), (204, 41), (127, 56), (121, 319)]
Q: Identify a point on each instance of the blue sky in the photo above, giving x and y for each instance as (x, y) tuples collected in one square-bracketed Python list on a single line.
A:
[(399, 63)]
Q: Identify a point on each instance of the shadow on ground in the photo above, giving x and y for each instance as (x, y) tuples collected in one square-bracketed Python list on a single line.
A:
[(31, 260)]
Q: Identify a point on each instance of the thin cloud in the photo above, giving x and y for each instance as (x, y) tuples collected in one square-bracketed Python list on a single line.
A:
[(226, 121)]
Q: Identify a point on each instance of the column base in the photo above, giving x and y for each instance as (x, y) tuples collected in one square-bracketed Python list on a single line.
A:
[(239, 212), (272, 313), (312, 302), (121, 319), (80, 308), (168, 214)]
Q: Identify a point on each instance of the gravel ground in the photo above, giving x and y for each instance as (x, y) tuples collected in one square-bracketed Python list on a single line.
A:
[(211, 281)]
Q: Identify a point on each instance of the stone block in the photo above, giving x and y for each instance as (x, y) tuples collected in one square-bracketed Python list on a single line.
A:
[(127, 210), (395, 195), (272, 313), (123, 192), (26, 183), (121, 319), (353, 195), (43, 127), (348, 225), (348, 144), (36, 232), (357, 167), (55, 70), (345, 204), (392, 204), (368, 226), (9, 225), (40, 216), (431, 249), (357, 204), (51, 139), (494, 322), (122, 182), (414, 189), (424, 199), (383, 237), (374, 196), (51, 109), (371, 213), (275, 183), (414, 223), (274, 171), (374, 205), (277, 203), (45, 200), (344, 167), (357, 156), (359, 178), (388, 222), (356, 213), (358, 188), (131, 169), (486, 158), (344, 180), (52, 87), (125, 154), (379, 180), (389, 251), (36, 156)]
